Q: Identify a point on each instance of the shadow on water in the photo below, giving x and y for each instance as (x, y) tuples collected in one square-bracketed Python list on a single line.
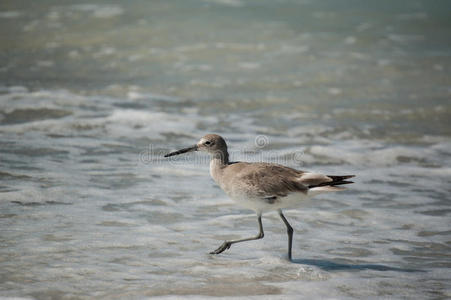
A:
[(332, 266)]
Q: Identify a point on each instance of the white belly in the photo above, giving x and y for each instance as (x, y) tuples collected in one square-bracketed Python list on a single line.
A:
[(260, 205)]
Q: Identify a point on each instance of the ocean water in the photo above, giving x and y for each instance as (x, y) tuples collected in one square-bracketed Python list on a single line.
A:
[(93, 95)]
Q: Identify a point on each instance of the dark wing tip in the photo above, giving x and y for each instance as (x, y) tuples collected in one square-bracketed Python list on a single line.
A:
[(336, 180), (340, 177), (344, 182)]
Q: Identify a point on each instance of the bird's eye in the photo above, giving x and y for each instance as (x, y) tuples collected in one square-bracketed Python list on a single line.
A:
[(207, 143)]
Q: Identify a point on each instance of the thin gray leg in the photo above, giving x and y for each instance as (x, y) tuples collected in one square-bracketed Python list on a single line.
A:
[(226, 245), (289, 232)]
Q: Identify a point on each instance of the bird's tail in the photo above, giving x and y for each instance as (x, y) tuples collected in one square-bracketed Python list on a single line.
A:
[(330, 186)]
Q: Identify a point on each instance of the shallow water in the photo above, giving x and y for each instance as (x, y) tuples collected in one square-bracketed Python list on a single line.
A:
[(92, 96)]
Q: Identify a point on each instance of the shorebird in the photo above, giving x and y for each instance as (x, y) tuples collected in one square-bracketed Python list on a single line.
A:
[(260, 186)]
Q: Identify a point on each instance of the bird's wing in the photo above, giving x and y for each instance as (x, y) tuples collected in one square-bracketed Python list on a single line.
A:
[(266, 180), (272, 180)]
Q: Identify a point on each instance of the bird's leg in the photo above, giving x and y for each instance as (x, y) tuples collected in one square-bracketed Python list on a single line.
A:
[(226, 245), (289, 232)]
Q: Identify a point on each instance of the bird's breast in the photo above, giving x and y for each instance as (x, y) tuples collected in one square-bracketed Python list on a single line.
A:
[(216, 171)]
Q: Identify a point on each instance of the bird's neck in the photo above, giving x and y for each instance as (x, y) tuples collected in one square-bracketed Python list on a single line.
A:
[(218, 162)]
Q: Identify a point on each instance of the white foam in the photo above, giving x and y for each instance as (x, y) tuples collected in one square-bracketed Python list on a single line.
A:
[(118, 122), (249, 65), (415, 16), (369, 154), (231, 3), (18, 89), (179, 171), (100, 11), (11, 14), (127, 122)]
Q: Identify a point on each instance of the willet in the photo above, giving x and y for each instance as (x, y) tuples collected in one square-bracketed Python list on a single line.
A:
[(262, 187)]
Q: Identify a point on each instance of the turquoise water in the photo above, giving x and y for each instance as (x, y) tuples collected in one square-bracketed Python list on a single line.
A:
[(92, 95)]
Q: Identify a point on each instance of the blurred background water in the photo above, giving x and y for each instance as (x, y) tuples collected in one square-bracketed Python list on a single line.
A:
[(91, 95)]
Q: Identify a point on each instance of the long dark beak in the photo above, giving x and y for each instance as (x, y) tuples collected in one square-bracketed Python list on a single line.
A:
[(184, 150)]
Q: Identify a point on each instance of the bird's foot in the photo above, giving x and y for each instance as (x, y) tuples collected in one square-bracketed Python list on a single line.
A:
[(226, 245)]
